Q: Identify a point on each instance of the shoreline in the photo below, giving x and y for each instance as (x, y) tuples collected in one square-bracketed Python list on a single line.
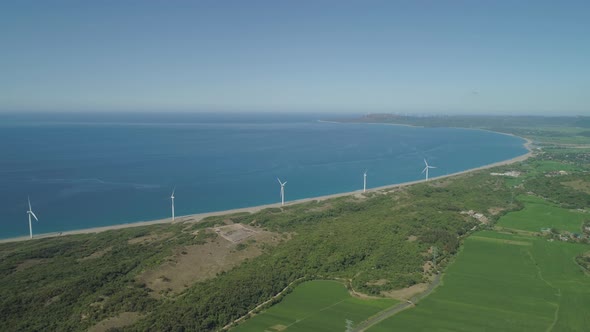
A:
[(197, 217), (200, 216)]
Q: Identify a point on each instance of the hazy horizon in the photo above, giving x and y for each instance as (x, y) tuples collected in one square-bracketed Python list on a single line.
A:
[(351, 113), (499, 58)]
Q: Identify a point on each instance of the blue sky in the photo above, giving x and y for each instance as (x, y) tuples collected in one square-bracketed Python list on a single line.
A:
[(505, 57)]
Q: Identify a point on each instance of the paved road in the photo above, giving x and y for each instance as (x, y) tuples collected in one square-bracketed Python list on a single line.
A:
[(363, 326)]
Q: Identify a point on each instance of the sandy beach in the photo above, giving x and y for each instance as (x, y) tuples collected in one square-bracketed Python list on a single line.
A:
[(200, 216)]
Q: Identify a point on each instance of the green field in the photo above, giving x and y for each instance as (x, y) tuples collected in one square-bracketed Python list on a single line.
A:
[(319, 305), (505, 282), (539, 213)]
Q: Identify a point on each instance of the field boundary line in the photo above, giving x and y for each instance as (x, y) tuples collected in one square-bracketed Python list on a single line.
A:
[(556, 313), (258, 307), (315, 313)]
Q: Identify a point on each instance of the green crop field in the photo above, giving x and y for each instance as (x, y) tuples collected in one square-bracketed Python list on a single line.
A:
[(537, 167), (539, 213), (319, 305), (505, 282)]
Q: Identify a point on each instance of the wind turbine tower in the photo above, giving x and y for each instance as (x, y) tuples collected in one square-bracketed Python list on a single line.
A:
[(172, 198), (426, 169), (365, 181), (282, 191), (31, 213)]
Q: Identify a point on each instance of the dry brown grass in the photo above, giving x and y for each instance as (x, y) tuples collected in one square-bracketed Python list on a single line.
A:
[(235, 233), (195, 263), (495, 210), (150, 238), (578, 185), (427, 267), (406, 293), (121, 320), (321, 208)]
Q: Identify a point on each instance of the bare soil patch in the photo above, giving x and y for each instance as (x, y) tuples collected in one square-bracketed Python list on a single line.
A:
[(235, 233), (495, 210), (195, 263), (406, 293), (321, 208), (412, 238), (359, 196), (441, 183), (122, 320), (149, 238)]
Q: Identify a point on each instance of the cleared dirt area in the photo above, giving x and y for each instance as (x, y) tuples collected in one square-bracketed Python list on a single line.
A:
[(406, 293), (122, 320), (235, 233), (324, 207), (359, 197), (191, 264), (495, 210)]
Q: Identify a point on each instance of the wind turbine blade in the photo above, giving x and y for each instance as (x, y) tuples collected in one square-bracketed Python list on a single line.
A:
[(279, 181), (34, 216), (29, 200), (173, 191), (424, 170), (432, 166), (285, 183), (425, 163)]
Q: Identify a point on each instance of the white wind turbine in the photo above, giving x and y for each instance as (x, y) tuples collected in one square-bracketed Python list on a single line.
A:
[(172, 198), (365, 181), (426, 169), (31, 213), (282, 191)]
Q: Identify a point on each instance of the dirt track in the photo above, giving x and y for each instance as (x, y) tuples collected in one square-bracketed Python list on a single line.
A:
[(397, 308)]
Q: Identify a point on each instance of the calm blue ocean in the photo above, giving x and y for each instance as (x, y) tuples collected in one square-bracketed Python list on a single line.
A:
[(89, 170)]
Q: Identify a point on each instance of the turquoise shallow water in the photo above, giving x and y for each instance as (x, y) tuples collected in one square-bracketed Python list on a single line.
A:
[(90, 170)]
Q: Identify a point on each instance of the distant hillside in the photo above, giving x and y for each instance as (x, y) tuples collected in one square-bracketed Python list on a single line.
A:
[(476, 121)]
